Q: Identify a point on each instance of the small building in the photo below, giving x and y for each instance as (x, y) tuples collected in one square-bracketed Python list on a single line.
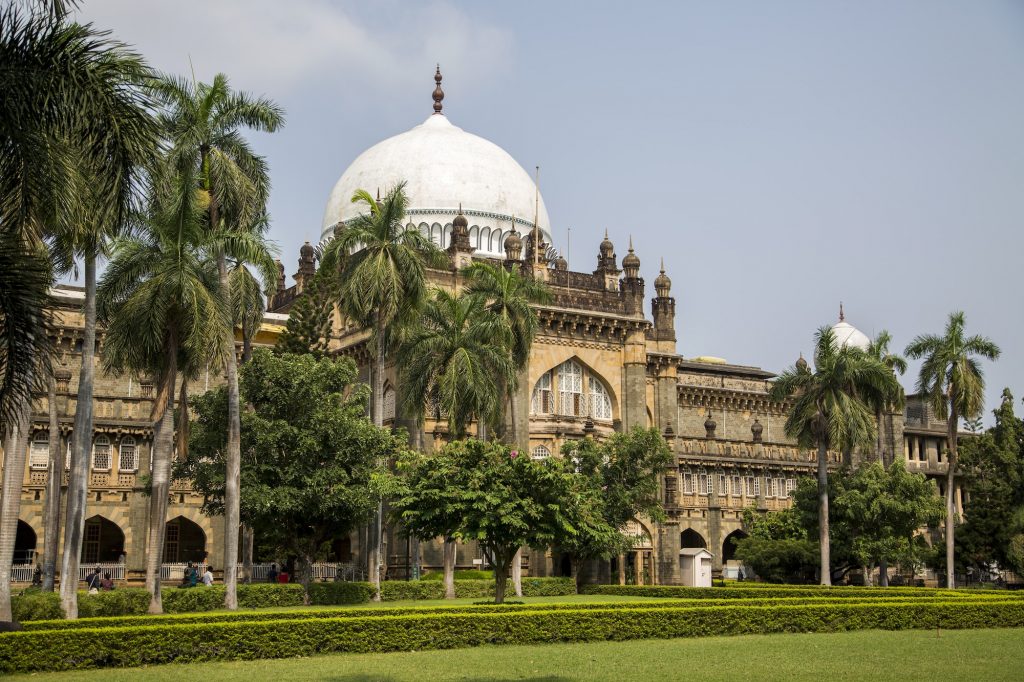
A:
[(695, 566)]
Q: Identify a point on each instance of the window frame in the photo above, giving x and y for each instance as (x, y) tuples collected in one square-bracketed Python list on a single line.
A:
[(108, 445), (127, 441)]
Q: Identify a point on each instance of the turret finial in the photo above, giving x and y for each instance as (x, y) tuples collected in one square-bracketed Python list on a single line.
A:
[(663, 265), (438, 92), (842, 316)]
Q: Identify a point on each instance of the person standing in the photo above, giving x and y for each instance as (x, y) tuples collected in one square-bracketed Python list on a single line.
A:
[(208, 576)]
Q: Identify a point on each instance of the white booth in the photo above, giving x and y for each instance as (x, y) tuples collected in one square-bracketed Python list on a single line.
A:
[(695, 566)]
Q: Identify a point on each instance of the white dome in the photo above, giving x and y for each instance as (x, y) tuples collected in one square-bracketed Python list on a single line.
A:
[(848, 335), (445, 167)]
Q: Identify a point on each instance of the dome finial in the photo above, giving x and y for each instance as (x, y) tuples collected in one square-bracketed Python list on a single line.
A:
[(663, 265), (842, 316), (438, 92)]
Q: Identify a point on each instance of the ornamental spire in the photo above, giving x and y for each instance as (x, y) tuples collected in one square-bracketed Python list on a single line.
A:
[(438, 92), (842, 316)]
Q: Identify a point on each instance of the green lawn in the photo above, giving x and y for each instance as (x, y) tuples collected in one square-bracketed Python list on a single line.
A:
[(990, 655)]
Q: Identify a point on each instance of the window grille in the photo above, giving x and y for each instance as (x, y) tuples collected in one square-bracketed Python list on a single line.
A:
[(540, 452), (101, 453), (600, 403), (39, 454), (129, 460), (687, 483), (543, 402), (570, 389), (737, 488), (389, 404)]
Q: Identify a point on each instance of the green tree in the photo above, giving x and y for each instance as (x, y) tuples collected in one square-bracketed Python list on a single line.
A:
[(311, 466), (202, 123), (308, 329), (829, 411), (993, 478), (509, 296), (500, 498), (75, 132), (164, 310), (951, 379), (619, 477), (893, 397), (381, 268)]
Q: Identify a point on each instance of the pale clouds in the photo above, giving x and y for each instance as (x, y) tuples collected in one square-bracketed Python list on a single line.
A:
[(279, 47)]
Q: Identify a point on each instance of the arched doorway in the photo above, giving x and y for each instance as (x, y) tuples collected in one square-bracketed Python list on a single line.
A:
[(103, 541), (184, 541), (729, 546), (24, 544), (691, 539)]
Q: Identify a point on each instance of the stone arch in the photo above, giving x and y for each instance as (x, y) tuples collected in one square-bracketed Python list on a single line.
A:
[(437, 235), (184, 540), (484, 242), (446, 235), (589, 374), (390, 401), (497, 241), (474, 236), (729, 544), (690, 538), (102, 542), (25, 544)]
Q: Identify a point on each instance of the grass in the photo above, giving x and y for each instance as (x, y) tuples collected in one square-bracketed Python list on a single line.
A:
[(992, 655)]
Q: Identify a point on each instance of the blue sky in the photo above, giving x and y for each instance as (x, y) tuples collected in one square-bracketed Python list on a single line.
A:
[(781, 156)]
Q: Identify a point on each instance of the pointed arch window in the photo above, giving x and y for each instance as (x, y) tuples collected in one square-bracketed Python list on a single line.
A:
[(101, 453), (543, 400), (389, 404), (129, 455), (39, 454), (570, 389), (600, 402)]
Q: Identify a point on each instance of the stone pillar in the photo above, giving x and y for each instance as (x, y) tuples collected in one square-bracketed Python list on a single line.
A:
[(639, 563), (622, 569), (715, 538), (634, 390), (668, 553)]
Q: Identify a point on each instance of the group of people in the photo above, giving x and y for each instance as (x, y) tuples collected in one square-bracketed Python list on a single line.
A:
[(191, 577), (275, 576), (97, 581)]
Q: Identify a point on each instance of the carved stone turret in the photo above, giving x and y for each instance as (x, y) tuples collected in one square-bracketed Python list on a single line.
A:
[(513, 245), (756, 429), (709, 426), (663, 310), (607, 268), (307, 266), (632, 284), (460, 250)]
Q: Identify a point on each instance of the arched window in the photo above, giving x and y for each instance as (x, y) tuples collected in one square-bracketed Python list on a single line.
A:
[(542, 399), (129, 460), (389, 403), (600, 403), (687, 482), (540, 452), (101, 453), (570, 389), (39, 455)]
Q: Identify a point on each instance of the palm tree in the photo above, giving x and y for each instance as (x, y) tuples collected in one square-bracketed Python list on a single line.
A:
[(202, 123), (895, 398), (161, 300), (75, 134), (381, 268), (953, 382), (509, 296), (457, 359), (829, 411)]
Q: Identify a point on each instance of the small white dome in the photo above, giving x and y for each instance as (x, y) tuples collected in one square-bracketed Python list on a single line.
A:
[(848, 335), (445, 167)]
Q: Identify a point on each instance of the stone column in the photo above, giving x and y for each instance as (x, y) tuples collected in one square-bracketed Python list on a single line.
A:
[(622, 569), (634, 389), (715, 538), (668, 553)]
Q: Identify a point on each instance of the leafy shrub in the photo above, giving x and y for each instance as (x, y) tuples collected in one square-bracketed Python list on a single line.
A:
[(132, 646), (36, 605), (114, 603), (336, 594), (258, 596), (460, 575), (736, 592)]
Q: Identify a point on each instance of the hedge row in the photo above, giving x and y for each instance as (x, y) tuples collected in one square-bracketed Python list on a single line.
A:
[(34, 605), (682, 592), (385, 612), (128, 646)]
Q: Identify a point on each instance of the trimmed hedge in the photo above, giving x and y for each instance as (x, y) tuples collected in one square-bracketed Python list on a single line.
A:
[(460, 575), (385, 612), (683, 592), (129, 646), (398, 590)]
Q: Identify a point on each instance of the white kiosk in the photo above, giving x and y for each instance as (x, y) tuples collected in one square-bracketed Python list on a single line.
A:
[(695, 566)]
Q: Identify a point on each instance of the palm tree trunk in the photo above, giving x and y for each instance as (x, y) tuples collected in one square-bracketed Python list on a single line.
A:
[(14, 477), (233, 456), (51, 513), (160, 470), (449, 567), (879, 441), (247, 543), (74, 524), (826, 571), (376, 530), (951, 460), (517, 572)]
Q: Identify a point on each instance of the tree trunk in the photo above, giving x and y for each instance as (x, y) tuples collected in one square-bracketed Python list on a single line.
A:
[(867, 575), (883, 572), (233, 456), (951, 460), (879, 440), (449, 567), (500, 580), (305, 575), (51, 513), (15, 450), (517, 572), (81, 438), (160, 470), (248, 537), (826, 572), (376, 530), (513, 411)]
